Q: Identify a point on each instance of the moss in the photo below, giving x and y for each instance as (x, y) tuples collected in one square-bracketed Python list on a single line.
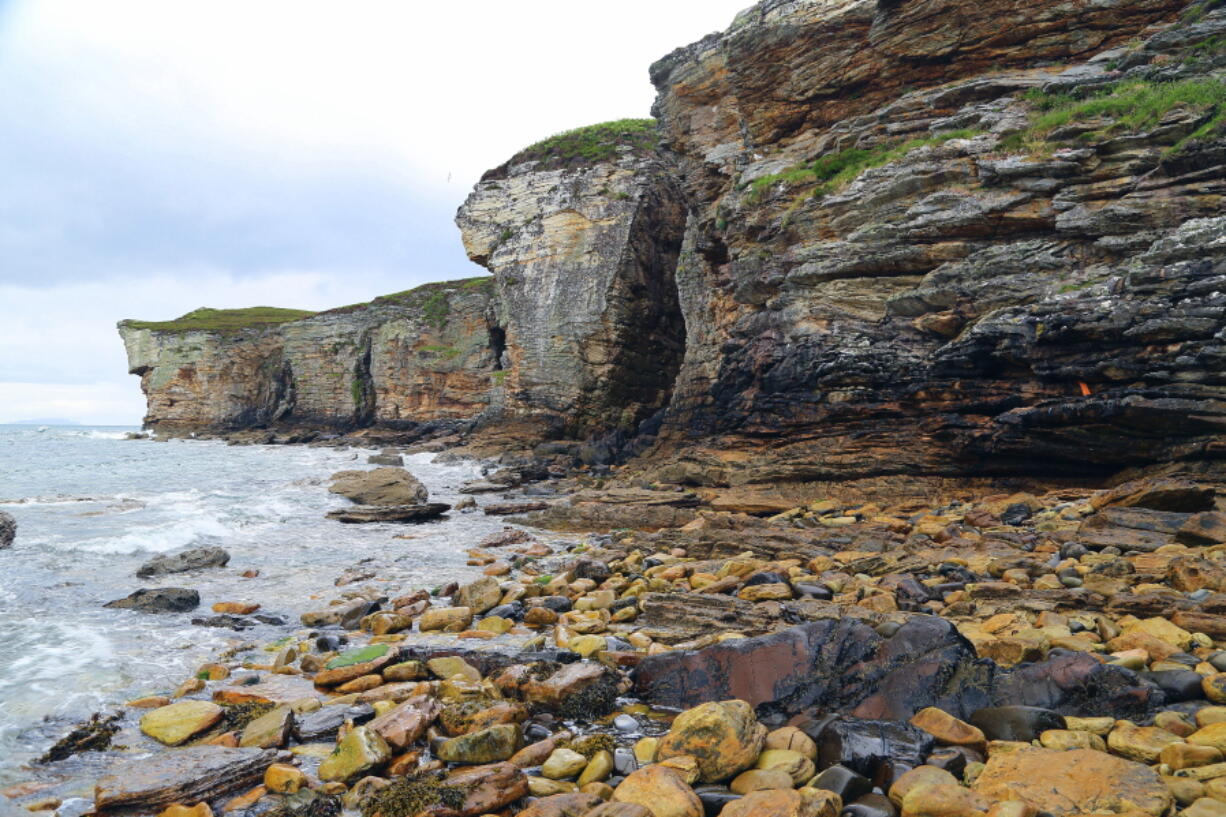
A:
[(318, 805), (223, 320), (417, 296), (831, 171), (591, 744), (592, 702), (359, 656), (407, 796), (1126, 107), (500, 376), (93, 735), (235, 717), (439, 350), (586, 146), (435, 309)]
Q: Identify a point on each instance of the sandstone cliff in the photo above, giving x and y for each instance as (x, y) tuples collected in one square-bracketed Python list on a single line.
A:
[(868, 238), (429, 354)]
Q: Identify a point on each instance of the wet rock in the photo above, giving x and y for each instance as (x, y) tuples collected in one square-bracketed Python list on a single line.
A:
[(193, 559), (178, 722), (324, 723), (93, 735), (347, 615), (725, 737), (190, 775), (445, 618), (8, 529), (489, 788), (479, 596), (390, 513), (354, 664), (916, 778), (870, 805), (405, 724), (359, 752), (380, 486), (1021, 723), (583, 689), (571, 804), (879, 750), (490, 745), (785, 803), (269, 731), (512, 508), (943, 800), (563, 763), (272, 689), (796, 765), (947, 729), (849, 785), (1073, 782), (159, 600), (660, 790)]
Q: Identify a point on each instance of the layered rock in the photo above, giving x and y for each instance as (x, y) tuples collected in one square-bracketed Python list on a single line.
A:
[(970, 303), (425, 355), (583, 255)]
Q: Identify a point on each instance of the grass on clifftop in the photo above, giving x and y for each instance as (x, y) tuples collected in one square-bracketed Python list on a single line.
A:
[(1128, 107), (433, 301), (832, 171), (593, 143), (224, 320)]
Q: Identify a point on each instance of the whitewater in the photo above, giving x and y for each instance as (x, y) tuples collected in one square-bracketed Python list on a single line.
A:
[(92, 506)]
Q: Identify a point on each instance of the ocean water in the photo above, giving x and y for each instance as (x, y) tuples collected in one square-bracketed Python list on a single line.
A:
[(91, 507)]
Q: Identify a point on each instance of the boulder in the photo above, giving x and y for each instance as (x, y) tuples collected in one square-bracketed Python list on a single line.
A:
[(359, 752), (724, 737), (404, 725), (159, 600), (489, 788), (380, 486), (660, 790), (192, 559), (148, 783), (8, 530), (785, 803), (479, 596), (1079, 781), (490, 745)]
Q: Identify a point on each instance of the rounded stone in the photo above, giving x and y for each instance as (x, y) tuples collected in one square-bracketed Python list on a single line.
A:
[(178, 722), (723, 736)]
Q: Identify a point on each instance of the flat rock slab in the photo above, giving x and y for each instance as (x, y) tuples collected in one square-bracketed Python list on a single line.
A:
[(146, 784), (274, 689), (380, 486), (159, 600), (390, 513), (509, 508), (193, 559)]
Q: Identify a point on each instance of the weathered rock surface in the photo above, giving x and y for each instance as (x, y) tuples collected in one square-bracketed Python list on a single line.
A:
[(159, 600), (843, 665), (192, 559), (390, 513), (380, 486), (146, 784), (8, 529), (408, 360), (1080, 781)]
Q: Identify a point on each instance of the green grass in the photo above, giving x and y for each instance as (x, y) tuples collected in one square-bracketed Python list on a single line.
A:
[(445, 352), (832, 171), (223, 320), (1127, 107), (591, 144)]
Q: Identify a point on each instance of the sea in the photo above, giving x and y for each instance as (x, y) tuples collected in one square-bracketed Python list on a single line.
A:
[(92, 506)]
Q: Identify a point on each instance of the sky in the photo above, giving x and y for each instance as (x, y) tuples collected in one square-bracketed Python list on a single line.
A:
[(161, 155)]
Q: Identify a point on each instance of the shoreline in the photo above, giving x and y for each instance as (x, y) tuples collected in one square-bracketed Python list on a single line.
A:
[(961, 606)]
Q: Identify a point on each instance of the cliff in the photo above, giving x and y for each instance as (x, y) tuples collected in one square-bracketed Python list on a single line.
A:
[(427, 355), (865, 239)]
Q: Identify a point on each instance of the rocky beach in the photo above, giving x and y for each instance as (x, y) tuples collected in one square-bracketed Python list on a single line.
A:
[(845, 441)]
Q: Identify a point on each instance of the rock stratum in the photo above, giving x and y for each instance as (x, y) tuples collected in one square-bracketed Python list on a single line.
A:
[(863, 239)]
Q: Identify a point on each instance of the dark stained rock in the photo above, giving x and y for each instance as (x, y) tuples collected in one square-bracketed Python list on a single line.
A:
[(878, 750), (146, 784), (8, 529), (1023, 723), (870, 805), (511, 508), (844, 782), (846, 666), (159, 600), (324, 723), (193, 559), (390, 513)]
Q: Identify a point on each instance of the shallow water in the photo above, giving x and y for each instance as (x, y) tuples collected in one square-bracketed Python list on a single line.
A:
[(91, 507)]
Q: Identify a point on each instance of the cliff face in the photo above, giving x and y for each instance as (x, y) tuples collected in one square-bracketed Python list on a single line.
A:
[(425, 355), (930, 280), (583, 258), (869, 238)]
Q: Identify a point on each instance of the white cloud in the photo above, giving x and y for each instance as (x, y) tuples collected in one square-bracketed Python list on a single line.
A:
[(162, 156)]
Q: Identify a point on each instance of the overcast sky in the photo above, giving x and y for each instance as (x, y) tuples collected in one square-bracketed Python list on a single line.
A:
[(161, 155)]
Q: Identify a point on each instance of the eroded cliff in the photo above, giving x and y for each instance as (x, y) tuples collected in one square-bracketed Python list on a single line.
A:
[(867, 238)]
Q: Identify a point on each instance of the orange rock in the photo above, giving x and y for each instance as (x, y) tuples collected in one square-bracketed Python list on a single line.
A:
[(947, 729), (360, 684), (178, 810), (245, 801), (282, 778), (1077, 781), (235, 608), (785, 803), (150, 702)]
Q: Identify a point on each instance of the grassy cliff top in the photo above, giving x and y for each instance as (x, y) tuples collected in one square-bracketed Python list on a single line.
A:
[(432, 300), (205, 319), (585, 146)]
